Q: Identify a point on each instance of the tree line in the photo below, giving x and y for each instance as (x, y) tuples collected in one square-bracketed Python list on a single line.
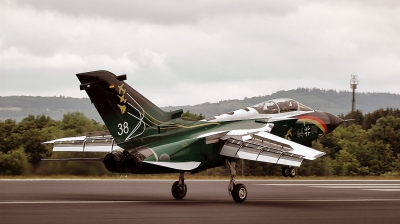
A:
[(366, 145), (21, 148)]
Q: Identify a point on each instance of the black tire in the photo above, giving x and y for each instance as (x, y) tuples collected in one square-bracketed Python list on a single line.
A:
[(285, 172), (292, 172), (239, 193), (177, 192)]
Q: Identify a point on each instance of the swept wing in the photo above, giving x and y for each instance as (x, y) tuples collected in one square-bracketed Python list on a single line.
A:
[(266, 147)]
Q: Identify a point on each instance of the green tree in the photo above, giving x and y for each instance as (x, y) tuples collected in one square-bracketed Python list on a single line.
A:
[(28, 134), (345, 164), (14, 162), (33, 146), (381, 159), (21, 143), (76, 123), (331, 144), (5, 131), (192, 116), (387, 129), (371, 118), (318, 167), (398, 164)]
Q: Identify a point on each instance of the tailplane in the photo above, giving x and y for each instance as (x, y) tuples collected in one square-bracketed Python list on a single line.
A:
[(125, 112)]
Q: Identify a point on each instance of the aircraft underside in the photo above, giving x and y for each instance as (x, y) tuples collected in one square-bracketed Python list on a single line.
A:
[(145, 160), (179, 188)]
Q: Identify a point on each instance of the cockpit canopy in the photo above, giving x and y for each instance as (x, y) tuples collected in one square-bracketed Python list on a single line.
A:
[(282, 105)]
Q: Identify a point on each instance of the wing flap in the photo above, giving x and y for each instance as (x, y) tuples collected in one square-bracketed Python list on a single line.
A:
[(289, 160), (306, 152)]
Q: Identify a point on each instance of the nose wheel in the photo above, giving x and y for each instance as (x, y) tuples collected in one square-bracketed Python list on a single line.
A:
[(236, 190), (239, 193), (289, 172)]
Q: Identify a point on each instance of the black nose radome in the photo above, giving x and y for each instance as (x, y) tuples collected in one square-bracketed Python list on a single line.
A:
[(334, 122)]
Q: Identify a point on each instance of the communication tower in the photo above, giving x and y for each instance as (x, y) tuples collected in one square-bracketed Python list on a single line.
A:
[(353, 85)]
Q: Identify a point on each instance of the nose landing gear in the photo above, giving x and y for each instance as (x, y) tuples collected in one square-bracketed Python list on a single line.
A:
[(236, 190)]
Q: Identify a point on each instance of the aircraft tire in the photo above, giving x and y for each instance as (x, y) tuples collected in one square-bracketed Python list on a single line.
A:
[(178, 193), (285, 172), (239, 193), (292, 172)]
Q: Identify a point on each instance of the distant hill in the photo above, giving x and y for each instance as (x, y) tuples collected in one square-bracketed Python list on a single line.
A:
[(318, 99), (18, 107)]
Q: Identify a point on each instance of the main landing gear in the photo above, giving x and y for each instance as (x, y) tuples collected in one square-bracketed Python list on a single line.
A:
[(289, 172), (179, 188), (237, 191)]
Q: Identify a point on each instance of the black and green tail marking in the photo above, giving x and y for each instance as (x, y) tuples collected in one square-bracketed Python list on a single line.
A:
[(125, 112)]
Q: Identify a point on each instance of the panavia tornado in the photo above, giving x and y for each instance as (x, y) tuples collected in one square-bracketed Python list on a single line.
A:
[(143, 139)]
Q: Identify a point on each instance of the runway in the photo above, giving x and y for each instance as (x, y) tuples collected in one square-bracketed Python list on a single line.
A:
[(150, 201)]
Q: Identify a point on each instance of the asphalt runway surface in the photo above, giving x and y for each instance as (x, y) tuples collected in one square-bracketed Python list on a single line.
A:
[(150, 201)]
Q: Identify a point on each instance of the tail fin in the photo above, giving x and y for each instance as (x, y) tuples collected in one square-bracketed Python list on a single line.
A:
[(125, 112)]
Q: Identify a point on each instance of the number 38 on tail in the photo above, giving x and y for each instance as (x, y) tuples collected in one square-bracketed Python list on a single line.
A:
[(143, 139)]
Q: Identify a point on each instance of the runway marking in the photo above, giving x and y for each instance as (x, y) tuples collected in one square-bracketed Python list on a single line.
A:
[(358, 187), (372, 187), (65, 202), (331, 184), (197, 201), (381, 189), (335, 200), (200, 180)]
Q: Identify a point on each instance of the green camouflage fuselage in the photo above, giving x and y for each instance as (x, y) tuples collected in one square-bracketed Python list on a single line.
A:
[(146, 133)]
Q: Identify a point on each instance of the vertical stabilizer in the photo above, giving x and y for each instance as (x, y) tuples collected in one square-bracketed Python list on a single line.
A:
[(125, 112)]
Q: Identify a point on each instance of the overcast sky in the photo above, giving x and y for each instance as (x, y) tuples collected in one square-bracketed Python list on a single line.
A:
[(179, 52)]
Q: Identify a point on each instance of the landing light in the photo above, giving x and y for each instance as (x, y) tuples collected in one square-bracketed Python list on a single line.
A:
[(83, 86)]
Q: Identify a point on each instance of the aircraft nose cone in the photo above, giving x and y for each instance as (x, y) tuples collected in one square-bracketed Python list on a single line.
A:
[(334, 122)]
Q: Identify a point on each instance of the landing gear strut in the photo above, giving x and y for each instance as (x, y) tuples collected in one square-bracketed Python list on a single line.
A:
[(179, 188), (289, 172), (237, 191)]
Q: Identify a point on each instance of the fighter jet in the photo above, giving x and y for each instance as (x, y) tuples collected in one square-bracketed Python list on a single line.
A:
[(144, 139)]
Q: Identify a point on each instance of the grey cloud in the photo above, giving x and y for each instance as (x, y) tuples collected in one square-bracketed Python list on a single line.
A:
[(161, 11), (183, 53)]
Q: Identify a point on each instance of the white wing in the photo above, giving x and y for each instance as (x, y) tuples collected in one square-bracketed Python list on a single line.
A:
[(84, 144), (265, 147)]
